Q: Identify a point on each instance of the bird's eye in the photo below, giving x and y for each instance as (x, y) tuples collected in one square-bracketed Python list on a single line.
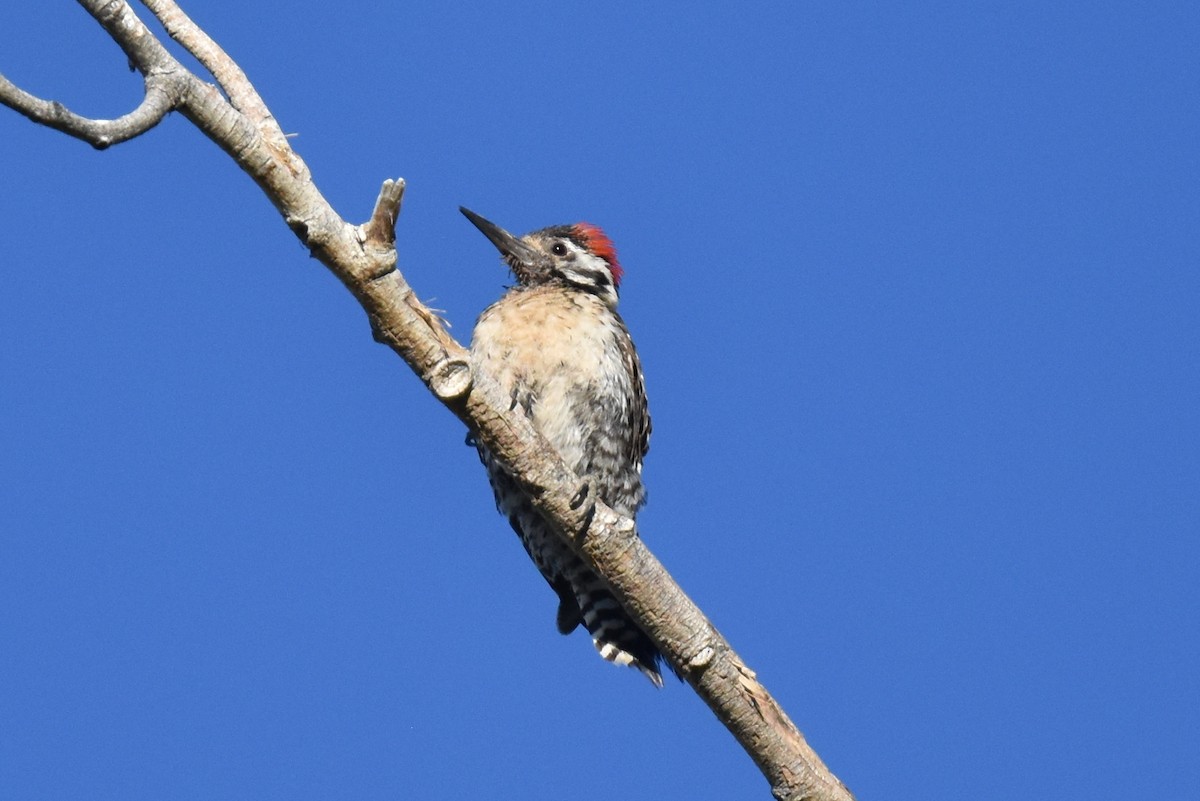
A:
[(559, 249)]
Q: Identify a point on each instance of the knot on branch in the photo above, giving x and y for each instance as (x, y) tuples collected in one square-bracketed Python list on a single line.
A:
[(450, 379), (699, 661)]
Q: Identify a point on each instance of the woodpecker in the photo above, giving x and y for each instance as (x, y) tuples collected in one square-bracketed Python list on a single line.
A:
[(560, 353)]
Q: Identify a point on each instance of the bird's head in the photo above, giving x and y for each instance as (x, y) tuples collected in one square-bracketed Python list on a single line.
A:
[(578, 256)]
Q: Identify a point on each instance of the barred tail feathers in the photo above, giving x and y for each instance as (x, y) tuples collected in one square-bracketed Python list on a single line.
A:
[(615, 635), (583, 597)]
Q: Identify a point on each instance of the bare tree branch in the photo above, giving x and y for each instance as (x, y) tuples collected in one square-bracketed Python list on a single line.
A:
[(159, 99), (164, 89), (242, 95), (364, 258)]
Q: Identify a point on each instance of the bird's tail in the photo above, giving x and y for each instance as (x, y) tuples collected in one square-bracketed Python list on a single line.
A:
[(615, 635)]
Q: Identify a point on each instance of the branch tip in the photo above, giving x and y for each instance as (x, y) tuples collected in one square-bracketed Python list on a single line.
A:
[(381, 228)]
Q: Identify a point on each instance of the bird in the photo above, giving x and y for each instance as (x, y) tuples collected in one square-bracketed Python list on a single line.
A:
[(560, 353)]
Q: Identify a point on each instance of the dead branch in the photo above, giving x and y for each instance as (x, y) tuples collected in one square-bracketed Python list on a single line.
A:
[(364, 258)]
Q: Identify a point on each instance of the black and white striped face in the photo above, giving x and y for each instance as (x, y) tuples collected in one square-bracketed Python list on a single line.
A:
[(570, 258), (578, 256)]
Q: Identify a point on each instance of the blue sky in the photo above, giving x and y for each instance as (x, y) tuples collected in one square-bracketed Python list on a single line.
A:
[(915, 286)]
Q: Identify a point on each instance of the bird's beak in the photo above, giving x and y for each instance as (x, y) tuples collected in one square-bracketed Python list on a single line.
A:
[(514, 251)]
